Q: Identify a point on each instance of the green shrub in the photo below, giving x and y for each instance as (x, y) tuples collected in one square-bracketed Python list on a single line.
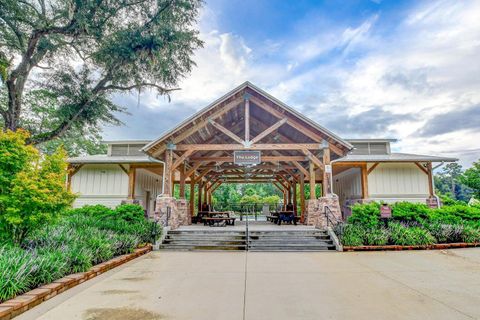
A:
[(409, 236), (130, 213), (97, 210), (16, 268), (407, 211), (456, 214), (376, 237), (366, 215), (446, 233), (352, 235), (470, 234)]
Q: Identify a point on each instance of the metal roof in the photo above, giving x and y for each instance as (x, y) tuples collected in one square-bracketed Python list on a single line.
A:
[(373, 140), (103, 158), (393, 157)]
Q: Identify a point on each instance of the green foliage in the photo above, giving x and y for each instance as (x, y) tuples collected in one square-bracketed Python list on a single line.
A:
[(271, 200), (445, 233), (74, 244), (470, 234), (366, 215), (116, 46), (352, 235), (32, 191), (409, 236), (96, 210), (456, 214), (408, 211), (376, 237), (130, 213), (471, 178)]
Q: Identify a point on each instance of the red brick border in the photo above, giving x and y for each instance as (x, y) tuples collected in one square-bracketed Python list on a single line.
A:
[(421, 247), (13, 307)]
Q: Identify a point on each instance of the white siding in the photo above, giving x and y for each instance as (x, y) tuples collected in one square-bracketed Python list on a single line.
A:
[(397, 182), (147, 181), (107, 184), (100, 184), (347, 184)]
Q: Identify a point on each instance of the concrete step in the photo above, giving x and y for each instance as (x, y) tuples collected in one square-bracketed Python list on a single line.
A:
[(202, 247)]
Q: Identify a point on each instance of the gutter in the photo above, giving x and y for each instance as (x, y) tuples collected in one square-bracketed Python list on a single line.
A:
[(163, 176)]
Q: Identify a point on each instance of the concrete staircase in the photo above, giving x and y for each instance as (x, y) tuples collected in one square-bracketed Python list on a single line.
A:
[(204, 240), (278, 240), (292, 240)]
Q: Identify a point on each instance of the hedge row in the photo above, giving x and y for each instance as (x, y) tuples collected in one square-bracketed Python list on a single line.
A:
[(82, 238), (411, 224)]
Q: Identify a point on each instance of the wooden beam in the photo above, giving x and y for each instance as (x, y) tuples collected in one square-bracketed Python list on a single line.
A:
[(131, 183), (199, 199), (430, 179), (373, 167), (327, 176), (216, 187), (71, 171), (181, 159), (301, 168), (182, 182), (200, 124), (311, 168), (227, 132), (123, 168), (313, 159), (247, 118), (264, 159), (422, 168), (302, 197), (167, 180), (268, 146), (193, 169), (300, 127), (364, 181), (269, 130), (192, 195)]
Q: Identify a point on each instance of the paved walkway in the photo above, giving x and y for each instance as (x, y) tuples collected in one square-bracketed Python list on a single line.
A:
[(237, 285)]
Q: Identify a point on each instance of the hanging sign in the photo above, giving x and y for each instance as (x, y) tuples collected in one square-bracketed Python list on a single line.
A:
[(246, 158)]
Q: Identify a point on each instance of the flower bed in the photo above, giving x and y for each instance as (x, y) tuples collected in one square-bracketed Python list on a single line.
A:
[(81, 239), (32, 298), (412, 226)]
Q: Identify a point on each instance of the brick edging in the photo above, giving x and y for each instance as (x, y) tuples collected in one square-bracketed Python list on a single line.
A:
[(18, 305), (418, 247)]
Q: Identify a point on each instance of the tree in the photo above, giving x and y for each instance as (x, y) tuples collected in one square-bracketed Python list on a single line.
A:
[(32, 188), (471, 178), (448, 183), (83, 51)]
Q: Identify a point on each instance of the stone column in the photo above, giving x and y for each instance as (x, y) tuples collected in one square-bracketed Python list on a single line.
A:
[(315, 213)]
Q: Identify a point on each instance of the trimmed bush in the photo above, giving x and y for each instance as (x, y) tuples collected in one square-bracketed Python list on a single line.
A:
[(407, 211), (130, 213), (366, 215), (446, 233)]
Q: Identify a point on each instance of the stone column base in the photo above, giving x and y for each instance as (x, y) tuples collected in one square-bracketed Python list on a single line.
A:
[(315, 211), (166, 209)]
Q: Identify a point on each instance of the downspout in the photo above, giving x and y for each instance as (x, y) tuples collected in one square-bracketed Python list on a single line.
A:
[(433, 183), (163, 176)]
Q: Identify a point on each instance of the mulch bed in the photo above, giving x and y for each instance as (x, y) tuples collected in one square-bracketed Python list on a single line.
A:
[(13, 307), (422, 247)]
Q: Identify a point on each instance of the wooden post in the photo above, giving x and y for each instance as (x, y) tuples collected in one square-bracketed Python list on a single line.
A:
[(294, 195), (131, 182), (311, 169), (199, 200), (284, 199), (192, 194), (168, 173), (182, 182), (302, 197), (210, 198), (205, 192), (430, 179), (327, 174), (289, 194), (364, 181)]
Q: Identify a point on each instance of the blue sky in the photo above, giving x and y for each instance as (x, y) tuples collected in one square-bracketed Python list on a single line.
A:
[(403, 69)]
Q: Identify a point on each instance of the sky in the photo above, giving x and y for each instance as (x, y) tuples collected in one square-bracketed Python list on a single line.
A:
[(408, 70)]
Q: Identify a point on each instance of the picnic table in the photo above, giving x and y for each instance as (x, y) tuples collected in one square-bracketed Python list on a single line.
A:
[(218, 219), (278, 217)]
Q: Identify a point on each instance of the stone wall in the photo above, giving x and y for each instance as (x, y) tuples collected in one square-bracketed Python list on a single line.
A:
[(173, 210), (315, 211)]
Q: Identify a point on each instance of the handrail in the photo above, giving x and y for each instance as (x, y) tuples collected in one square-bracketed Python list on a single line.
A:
[(329, 215)]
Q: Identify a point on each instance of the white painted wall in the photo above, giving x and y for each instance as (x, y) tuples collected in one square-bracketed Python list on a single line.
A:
[(392, 182), (347, 186), (107, 184)]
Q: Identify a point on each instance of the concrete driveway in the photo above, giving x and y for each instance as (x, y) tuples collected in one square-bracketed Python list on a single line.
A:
[(239, 285)]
